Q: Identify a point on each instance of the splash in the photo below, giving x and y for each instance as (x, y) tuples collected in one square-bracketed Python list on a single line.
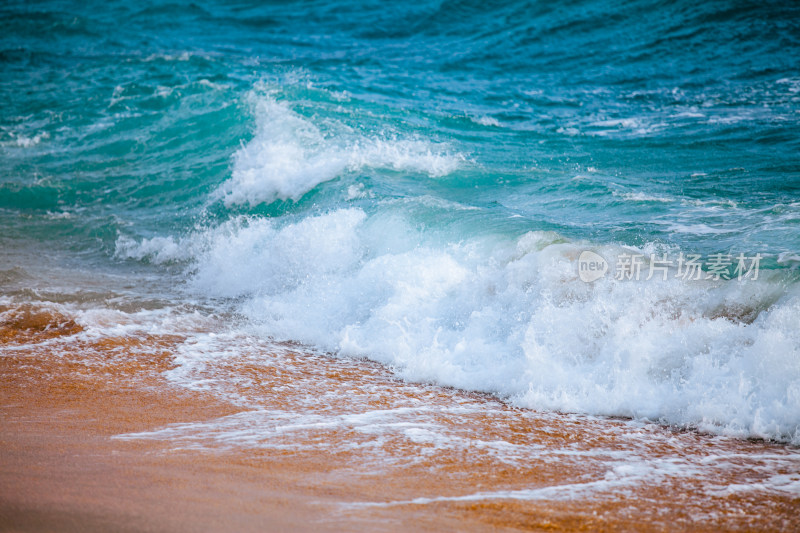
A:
[(289, 156)]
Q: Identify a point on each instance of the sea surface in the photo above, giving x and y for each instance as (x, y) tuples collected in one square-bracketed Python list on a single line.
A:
[(418, 184)]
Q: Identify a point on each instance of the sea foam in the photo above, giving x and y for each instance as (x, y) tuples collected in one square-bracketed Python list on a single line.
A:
[(509, 315), (289, 155)]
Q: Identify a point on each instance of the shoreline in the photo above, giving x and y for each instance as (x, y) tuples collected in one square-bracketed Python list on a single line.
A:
[(85, 449)]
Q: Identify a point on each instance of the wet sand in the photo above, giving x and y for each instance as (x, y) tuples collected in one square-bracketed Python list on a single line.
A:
[(94, 437)]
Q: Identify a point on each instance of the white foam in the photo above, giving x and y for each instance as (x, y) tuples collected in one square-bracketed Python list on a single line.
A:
[(183, 56), (616, 479), (643, 197), (698, 229), (510, 316), (790, 259), (290, 155), (635, 126), (157, 250), (26, 141), (356, 191), (486, 120)]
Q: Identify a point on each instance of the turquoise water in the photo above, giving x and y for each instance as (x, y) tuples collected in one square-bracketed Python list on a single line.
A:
[(415, 183)]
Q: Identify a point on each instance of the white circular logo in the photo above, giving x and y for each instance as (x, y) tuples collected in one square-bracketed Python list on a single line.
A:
[(591, 266)]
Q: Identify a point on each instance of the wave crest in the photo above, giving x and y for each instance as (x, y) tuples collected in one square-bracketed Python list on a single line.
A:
[(290, 155)]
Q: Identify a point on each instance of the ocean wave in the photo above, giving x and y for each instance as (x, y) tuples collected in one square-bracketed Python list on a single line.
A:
[(510, 316), (290, 155)]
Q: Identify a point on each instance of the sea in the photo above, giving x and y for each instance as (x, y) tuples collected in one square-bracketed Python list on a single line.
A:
[(581, 207)]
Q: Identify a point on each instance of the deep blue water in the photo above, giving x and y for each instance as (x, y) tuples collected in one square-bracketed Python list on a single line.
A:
[(624, 122)]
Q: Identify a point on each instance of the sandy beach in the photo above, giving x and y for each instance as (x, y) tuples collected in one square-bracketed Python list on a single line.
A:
[(94, 438)]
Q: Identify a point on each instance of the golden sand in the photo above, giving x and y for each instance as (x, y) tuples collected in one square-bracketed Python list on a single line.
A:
[(95, 438)]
